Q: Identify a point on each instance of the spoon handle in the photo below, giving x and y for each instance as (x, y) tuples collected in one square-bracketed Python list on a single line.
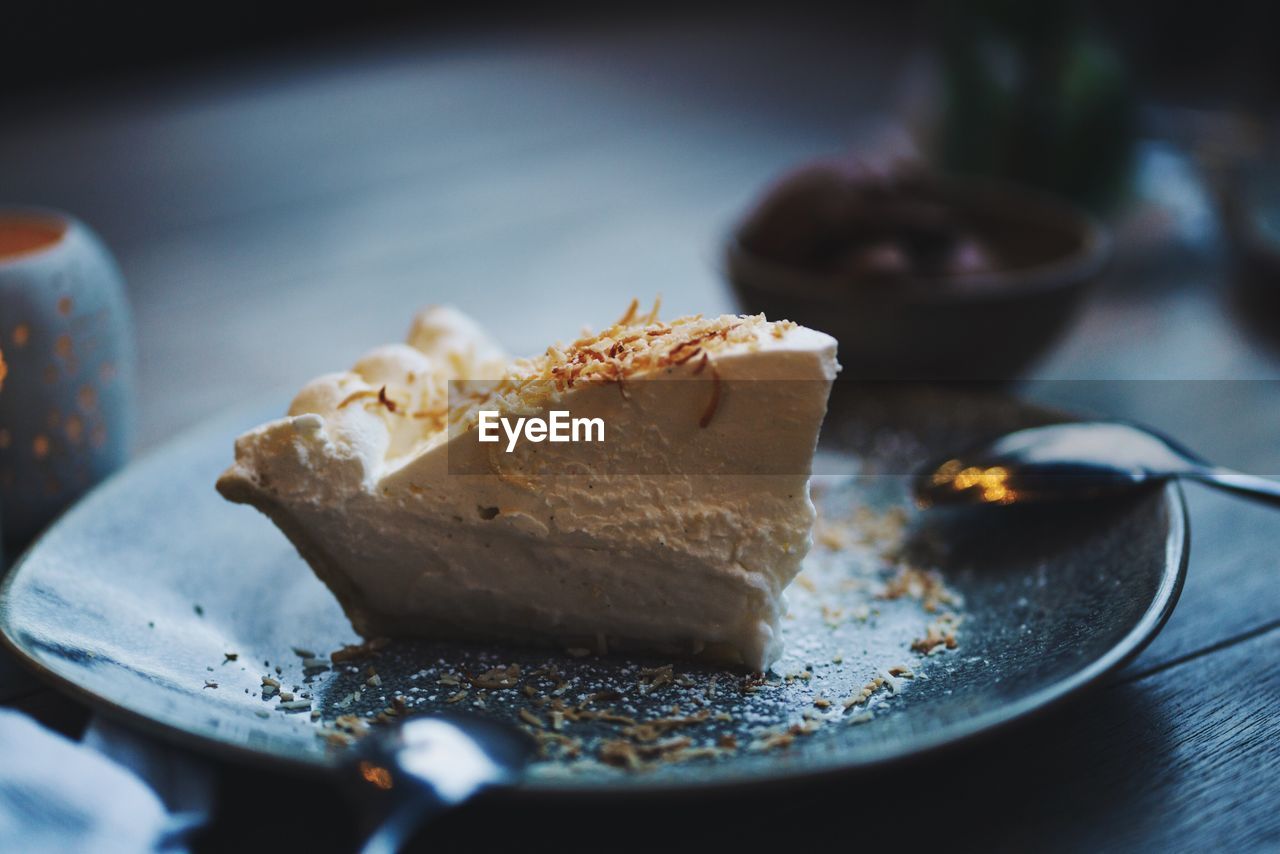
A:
[(1250, 486), (394, 832)]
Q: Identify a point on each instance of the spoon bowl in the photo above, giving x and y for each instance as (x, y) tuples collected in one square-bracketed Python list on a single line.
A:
[(1073, 461)]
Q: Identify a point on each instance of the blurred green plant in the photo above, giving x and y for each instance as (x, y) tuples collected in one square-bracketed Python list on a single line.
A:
[(1031, 93)]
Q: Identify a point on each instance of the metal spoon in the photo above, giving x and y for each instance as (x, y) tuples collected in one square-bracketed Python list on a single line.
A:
[(1069, 461), (412, 773)]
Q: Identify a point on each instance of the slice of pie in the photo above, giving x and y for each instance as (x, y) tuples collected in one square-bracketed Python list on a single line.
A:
[(673, 528)]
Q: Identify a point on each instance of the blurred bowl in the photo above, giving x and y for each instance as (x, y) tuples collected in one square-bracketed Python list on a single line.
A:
[(1251, 213), (971, 323)]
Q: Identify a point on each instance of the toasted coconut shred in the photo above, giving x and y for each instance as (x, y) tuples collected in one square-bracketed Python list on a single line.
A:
[(636, 344)]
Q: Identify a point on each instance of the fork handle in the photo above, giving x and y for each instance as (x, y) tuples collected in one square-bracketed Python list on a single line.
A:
[(1260, 489)]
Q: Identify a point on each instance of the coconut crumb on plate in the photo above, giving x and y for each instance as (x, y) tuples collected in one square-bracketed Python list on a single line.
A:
[(865, 624)]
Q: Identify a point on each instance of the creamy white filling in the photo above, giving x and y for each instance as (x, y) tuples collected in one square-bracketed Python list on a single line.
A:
[(672, 558)]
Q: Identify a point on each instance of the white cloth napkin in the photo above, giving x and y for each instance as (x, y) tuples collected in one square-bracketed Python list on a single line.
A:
[(59, 795)]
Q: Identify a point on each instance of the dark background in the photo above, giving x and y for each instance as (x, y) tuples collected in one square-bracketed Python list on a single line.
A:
[(1190, 51)]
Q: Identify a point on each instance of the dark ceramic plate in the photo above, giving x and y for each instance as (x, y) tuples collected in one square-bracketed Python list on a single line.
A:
[(131, 601)]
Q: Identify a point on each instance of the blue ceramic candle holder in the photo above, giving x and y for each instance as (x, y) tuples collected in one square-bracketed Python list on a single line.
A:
[(66, 407)]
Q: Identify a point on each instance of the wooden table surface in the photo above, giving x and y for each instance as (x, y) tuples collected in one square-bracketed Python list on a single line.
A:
[(276, 217)]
